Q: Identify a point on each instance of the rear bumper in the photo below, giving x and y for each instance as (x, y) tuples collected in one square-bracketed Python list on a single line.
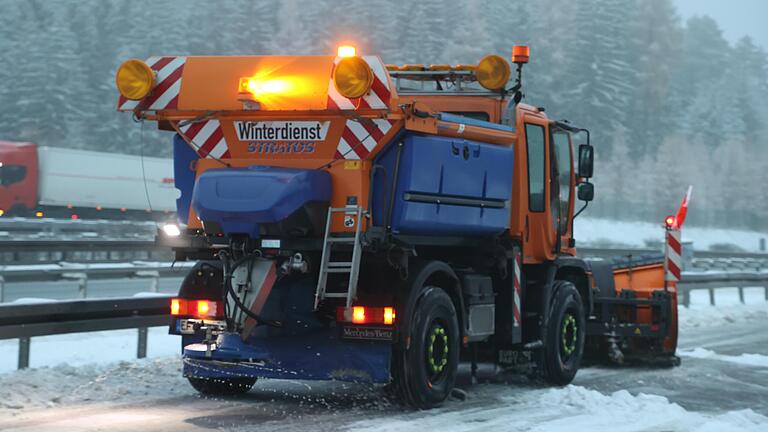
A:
[(313, 356)]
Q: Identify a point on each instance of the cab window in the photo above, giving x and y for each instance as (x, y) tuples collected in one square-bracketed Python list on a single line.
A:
[(534, 137), (10, 174), (477, 115), (562, 148)]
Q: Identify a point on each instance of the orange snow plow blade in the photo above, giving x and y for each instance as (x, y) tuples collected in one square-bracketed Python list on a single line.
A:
[(635, 315)]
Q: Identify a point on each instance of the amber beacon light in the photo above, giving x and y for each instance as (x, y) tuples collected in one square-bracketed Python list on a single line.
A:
[(520, 54), (346, 51), (352, 77), (134, 79), (492, 72)]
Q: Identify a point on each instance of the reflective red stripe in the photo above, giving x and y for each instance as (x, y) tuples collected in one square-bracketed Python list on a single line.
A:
[(194, 129), (354, 143), (332, 104), (674, 244), (162, 63), (674, 269), (373, 130), (211, 142), (158, 91), (381, 91), (173, 103)]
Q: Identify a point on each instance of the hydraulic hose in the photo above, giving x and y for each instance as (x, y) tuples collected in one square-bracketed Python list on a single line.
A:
[(229, 269)]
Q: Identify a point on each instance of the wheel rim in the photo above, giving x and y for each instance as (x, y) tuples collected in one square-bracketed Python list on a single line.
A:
[(437, 350), (569, 336)]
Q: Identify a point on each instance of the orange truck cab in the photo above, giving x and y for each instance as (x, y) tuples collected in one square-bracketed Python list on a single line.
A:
[(354, 220)]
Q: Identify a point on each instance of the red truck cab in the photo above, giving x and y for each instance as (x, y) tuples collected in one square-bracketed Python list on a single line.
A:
[(18, 177)]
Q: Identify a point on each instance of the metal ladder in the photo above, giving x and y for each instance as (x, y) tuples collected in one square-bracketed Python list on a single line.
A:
[(352, 267)]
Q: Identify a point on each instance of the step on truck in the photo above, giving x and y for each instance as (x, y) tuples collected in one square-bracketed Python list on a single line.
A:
[(359, 221)]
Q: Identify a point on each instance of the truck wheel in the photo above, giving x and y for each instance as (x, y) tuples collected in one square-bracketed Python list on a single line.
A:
[(425, 372), (565, 335), (221, 386)]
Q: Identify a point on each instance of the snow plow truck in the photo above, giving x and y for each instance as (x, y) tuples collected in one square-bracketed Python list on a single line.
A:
[(359, 221)]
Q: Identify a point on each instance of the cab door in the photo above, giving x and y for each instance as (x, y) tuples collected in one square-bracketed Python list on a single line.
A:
[(539, 233), (563, 182)]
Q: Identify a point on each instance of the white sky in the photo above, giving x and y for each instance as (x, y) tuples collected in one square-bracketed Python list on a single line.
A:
[(736, 18)]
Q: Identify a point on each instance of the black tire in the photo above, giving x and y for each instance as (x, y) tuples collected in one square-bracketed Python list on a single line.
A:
[(424, 374), (221, 386), (565, 335)]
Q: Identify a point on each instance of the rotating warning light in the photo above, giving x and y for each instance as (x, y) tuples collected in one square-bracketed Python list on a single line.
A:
[(352, 77), (492, 72), (669, 221), (134, 79), (520, 54), (346, 51), (259, 87)]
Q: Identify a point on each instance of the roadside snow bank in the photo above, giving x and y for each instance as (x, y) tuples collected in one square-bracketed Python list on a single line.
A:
[(572, 408), (756, 360), (61, 385), (697, 316)]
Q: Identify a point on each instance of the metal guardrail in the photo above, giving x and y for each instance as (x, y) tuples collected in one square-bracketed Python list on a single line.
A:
[(84, 250), (38, 251), (82, 273), (698, 254), (711, 282), (17, 227), (24, 321)]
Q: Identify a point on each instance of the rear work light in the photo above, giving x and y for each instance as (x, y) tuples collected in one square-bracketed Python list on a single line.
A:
[(366, 315), (196, 308)]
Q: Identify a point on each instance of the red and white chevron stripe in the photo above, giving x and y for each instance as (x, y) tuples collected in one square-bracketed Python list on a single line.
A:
[(516, 293), (165, 95), (377, 98), (360, 137), (673, 257), (207, 138)]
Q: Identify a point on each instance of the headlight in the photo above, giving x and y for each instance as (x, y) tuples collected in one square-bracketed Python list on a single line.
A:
[(171, 230), (352, 77), (134, 79), (492, 72)]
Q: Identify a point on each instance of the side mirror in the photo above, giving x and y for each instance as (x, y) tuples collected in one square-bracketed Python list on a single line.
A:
[(586, 160), (586, 191)]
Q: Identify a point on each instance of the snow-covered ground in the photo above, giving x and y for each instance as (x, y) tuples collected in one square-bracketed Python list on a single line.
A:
[(568, 409), (611, 233)]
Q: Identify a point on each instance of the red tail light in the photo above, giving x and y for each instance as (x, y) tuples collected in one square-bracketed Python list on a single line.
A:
[(197, 308), (366, 315)]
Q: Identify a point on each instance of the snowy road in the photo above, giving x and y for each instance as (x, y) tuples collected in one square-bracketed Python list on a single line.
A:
[(722, 385)]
